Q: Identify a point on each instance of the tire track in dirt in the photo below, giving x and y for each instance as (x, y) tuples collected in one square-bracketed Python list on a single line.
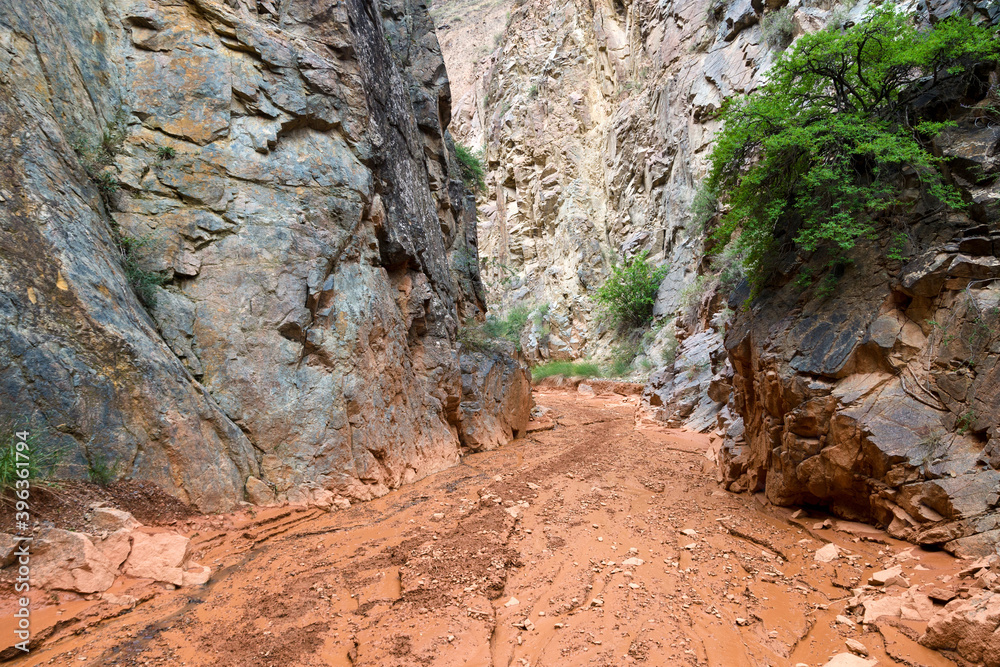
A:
[(594, 543)]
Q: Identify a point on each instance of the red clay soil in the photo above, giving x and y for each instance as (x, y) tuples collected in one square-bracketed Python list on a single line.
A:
[(66, 504), (591, 543)]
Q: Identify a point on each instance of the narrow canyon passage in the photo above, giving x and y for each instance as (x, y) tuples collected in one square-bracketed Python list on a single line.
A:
[(590, 543)]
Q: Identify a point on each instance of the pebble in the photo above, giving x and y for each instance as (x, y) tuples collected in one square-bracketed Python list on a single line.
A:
[(513, 602)]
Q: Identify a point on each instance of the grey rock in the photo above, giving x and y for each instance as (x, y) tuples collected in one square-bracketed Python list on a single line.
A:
[(301, 203)]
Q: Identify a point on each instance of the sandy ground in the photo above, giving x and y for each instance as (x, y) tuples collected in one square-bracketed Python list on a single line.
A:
[(524, 556)]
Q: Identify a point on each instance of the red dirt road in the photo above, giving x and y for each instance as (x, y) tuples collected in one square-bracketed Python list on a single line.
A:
[(572, 546)]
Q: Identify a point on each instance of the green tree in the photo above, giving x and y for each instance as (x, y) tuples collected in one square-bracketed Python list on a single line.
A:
[(471, 165), (629, 293), (822, 146)]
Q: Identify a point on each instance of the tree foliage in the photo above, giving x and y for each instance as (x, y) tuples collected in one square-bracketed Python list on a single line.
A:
[(823, 145), (471, 165), (629, 292)]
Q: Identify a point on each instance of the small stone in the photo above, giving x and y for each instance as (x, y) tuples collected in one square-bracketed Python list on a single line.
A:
[(857, 647), (942, 595), (691, 547), (632, 562), (850, 660), (633, 586), (827, 553), (843, 620), (799, 514), (690, 532), (451, 638), (893, 575), (742, 621), (513, 602)]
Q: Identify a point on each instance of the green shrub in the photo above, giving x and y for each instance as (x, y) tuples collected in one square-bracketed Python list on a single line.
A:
[(566, 369), (778, 27), (165, 152), (818, 151), (106, 183), (629, 293), (471, 165), (102, 470), (484, 336), (623, 355), (142, 282), (669, 353), (508, 327), (16, 439), (94, 157), (704, 206)]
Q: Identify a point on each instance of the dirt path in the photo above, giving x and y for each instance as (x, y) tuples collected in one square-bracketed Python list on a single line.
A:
[(570, 547)]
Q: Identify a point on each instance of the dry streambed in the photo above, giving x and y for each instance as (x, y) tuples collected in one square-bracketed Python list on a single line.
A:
[(590, 543)]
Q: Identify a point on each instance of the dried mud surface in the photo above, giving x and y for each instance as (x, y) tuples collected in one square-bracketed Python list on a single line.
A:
[(519, 556)]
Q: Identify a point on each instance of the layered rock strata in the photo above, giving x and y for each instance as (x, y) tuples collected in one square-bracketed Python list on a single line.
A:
[(278, 183), (879, 401)]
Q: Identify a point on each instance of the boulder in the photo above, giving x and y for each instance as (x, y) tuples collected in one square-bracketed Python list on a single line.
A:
[(258, 492), (496, 398), (69, 561), (111, 519), (164, 557), (968, 627)]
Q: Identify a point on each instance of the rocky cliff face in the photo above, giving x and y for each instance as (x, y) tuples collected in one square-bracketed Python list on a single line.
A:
[(881, 400), (597, 118), (878, 400), (278, 182)]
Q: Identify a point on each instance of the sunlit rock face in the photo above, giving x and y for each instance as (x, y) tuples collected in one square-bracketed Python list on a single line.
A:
[(597, 120), (286, 170)]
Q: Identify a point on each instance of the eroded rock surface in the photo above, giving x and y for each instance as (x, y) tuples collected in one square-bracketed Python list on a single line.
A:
[(288, 177), (881, 400), (597, 119)]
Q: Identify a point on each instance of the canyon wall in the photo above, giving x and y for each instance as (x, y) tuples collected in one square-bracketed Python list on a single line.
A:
[(876, 400), (596, 119), (235, 246)]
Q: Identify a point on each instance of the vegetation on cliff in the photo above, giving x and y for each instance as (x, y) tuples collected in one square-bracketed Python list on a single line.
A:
[(629, 292), (472, 168), (844, 120)]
